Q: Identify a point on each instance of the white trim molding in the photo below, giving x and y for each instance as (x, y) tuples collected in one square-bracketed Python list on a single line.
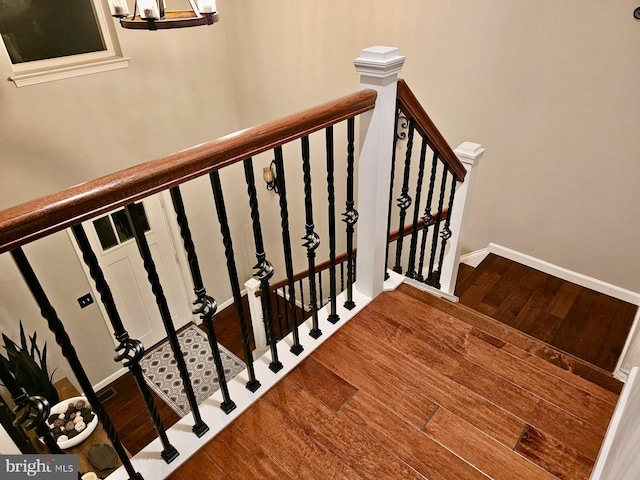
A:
[(473, 259)]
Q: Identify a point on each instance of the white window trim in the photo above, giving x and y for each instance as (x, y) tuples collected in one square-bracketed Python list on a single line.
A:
[(41, 71)]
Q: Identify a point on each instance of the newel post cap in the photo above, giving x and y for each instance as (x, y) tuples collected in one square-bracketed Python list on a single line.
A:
[(469, 152), (379, 61)]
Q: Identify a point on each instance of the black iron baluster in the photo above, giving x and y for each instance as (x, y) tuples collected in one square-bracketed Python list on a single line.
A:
[(404, 201), (446, 230), (396, 136), (320, 284), (206, 305), (436, 228), (311, 238), (411, 267), (427, 218), (35, 410), (199, 428), (333, 316), (350, 216), (342, 276), (301, 289), (62, 339), (278, 313), (129, 350), (296, 348), (253, 384), (15, 432), (264, 269)]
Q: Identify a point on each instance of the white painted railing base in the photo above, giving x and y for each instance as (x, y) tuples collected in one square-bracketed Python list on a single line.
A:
[(148, 461), (618, 458)]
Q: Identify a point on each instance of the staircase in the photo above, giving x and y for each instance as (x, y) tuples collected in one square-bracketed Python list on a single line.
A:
[(417, 387)]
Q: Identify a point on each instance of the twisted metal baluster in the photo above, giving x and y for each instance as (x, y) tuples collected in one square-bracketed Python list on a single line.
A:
[(129, 351), (199, 427), (16, 433), (30, 411), (436, 228), (264, 269), (427, 218), (446, 231), (350, 216), (333, 316), (62, 339), (296, 349), (411, 267), (392, 179), (206, 305), (311, 238), (404, 201)]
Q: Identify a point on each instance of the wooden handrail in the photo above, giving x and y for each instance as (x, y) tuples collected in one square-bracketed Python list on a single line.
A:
[(38, 218), (410, 106), (393, 236)]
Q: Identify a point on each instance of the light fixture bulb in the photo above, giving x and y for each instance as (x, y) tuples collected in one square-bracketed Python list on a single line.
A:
[(149, 9), (207, 6), (119, 8)]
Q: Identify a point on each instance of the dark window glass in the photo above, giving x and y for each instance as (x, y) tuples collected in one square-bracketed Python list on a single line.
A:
[(42, 29), (105, 232), (122, 225)]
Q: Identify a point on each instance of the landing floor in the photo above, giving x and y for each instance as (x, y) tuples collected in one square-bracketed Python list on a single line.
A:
[(405, 390)]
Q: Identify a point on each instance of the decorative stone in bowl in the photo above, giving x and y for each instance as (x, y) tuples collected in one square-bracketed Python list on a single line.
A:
[(72, 421)]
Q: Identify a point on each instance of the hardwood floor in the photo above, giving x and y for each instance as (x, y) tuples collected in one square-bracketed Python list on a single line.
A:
[(581, 322), (407, 390)]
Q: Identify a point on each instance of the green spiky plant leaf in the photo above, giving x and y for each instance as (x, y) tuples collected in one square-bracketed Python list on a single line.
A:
[(29, 366)]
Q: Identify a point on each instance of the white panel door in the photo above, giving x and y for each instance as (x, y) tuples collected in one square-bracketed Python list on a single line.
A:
[(117, 252)]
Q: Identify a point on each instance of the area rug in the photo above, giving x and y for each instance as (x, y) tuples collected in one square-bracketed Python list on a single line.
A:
[(162, 375)]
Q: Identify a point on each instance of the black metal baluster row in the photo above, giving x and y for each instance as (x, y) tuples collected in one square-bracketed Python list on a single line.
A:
[(62, 339), (411, 268), (333, 316), (446, 231), (404, 201), (436, 229), (427, 218), (397, 136), (130, 351)]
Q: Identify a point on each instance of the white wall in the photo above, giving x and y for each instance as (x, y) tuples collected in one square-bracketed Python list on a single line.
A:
[(549, 88)]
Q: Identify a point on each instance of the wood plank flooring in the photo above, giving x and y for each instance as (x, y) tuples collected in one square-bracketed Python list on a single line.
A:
[(406, 390), (581, 322)]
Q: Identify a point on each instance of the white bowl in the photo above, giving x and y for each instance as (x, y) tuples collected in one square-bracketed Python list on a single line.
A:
[(82, 436)]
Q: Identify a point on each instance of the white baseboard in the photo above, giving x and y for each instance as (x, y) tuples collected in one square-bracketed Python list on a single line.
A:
[(229, 301), (110, 379), (565, 274), (630, 353), (473, 259)]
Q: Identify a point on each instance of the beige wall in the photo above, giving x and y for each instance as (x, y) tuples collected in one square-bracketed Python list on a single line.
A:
[(550, 88)]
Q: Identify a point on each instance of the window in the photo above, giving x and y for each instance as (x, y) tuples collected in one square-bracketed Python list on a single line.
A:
[(115, 229), (49, 40)]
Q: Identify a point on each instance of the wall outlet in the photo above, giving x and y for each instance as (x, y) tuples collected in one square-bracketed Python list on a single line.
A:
[(85, 300)]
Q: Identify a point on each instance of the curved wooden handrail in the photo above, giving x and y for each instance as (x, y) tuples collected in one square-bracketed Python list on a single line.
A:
[(410, 106), (38, 218)]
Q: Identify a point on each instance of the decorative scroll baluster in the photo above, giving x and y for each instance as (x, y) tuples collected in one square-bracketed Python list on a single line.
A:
[(296, 348), (350, 216), (199, 428), (427, 218), (404, 201), (35, 410), (333, 316), (411, 267), (62, 339), (253, 384), (446, 230), (397, 136), (436, 228), (311, 238), (17, 434), (264, 269), (129, 350)]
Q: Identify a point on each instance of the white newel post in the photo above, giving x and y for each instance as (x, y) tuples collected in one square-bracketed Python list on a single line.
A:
[(255, 310), (378, 68), (468, 153)]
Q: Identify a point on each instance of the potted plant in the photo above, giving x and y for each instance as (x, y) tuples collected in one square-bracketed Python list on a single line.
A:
[(29, 366)]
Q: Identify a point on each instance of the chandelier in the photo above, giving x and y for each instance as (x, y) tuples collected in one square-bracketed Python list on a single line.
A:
[(152, 15)]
